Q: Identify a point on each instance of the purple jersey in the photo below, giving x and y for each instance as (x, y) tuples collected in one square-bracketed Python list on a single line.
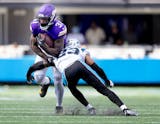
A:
[(55, 31)]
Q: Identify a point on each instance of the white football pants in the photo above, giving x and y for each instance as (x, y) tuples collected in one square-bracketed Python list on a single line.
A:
[(41, 78)]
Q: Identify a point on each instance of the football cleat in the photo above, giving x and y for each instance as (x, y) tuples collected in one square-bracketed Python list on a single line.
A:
[(43, 90), (59, 110), (92, 111), (129, 112)]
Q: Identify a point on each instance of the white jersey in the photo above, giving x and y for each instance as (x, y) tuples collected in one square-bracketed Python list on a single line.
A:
[(68, 56)]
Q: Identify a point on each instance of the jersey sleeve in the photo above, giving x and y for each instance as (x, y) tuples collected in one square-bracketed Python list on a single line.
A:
[(35, 27), (60, 30)]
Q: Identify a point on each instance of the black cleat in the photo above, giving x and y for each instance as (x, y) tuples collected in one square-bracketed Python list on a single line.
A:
[(59, 110), (129, 112), (92, 111), (43, 90)]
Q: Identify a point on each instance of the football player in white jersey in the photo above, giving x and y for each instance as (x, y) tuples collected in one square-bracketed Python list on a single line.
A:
[(75, 63)]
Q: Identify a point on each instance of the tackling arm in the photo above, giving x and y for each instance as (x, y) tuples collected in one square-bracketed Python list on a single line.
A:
[(37, 66), (96, 68)]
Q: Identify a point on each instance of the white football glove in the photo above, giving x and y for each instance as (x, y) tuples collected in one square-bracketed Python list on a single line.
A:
[(111, 84)]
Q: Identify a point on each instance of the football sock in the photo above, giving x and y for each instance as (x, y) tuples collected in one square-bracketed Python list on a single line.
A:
[(59, 91), (89, 106), (122, 107)]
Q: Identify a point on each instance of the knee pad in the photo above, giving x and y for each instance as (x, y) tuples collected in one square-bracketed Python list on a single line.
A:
[(57, 77)]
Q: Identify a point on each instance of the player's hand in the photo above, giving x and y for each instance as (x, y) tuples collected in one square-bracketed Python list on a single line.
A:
[(30, 79), (111, 84)]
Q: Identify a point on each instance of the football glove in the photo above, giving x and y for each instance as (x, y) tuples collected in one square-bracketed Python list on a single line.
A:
[(111, 84)]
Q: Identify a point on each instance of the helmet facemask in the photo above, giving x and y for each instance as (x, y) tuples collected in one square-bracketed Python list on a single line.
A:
[(44, 21)]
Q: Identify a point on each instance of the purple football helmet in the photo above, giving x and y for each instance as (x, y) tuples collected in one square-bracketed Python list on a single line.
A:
[(47, 12)]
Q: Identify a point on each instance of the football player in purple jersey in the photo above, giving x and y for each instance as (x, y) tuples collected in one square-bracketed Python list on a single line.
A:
[(47, 24)]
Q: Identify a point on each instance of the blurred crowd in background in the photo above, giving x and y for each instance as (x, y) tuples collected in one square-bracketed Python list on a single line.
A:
[(91, 28), (112, 29)]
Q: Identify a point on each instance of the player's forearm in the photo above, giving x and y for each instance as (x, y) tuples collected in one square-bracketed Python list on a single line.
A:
[(100, 72), (37, 66), (54, 51), (33, 68), (36, 49)]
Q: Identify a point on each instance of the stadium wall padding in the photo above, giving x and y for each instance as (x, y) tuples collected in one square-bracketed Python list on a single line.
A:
[(120, 71)]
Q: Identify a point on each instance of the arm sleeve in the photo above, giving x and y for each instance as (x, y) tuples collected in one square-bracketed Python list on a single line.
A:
[(100, 72), (37, 66)]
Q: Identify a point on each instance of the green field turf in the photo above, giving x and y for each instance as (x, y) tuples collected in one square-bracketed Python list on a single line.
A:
[(22, 105)]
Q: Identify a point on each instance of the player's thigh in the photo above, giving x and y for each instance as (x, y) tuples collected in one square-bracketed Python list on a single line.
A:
[(41, 72), (57, 75)]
